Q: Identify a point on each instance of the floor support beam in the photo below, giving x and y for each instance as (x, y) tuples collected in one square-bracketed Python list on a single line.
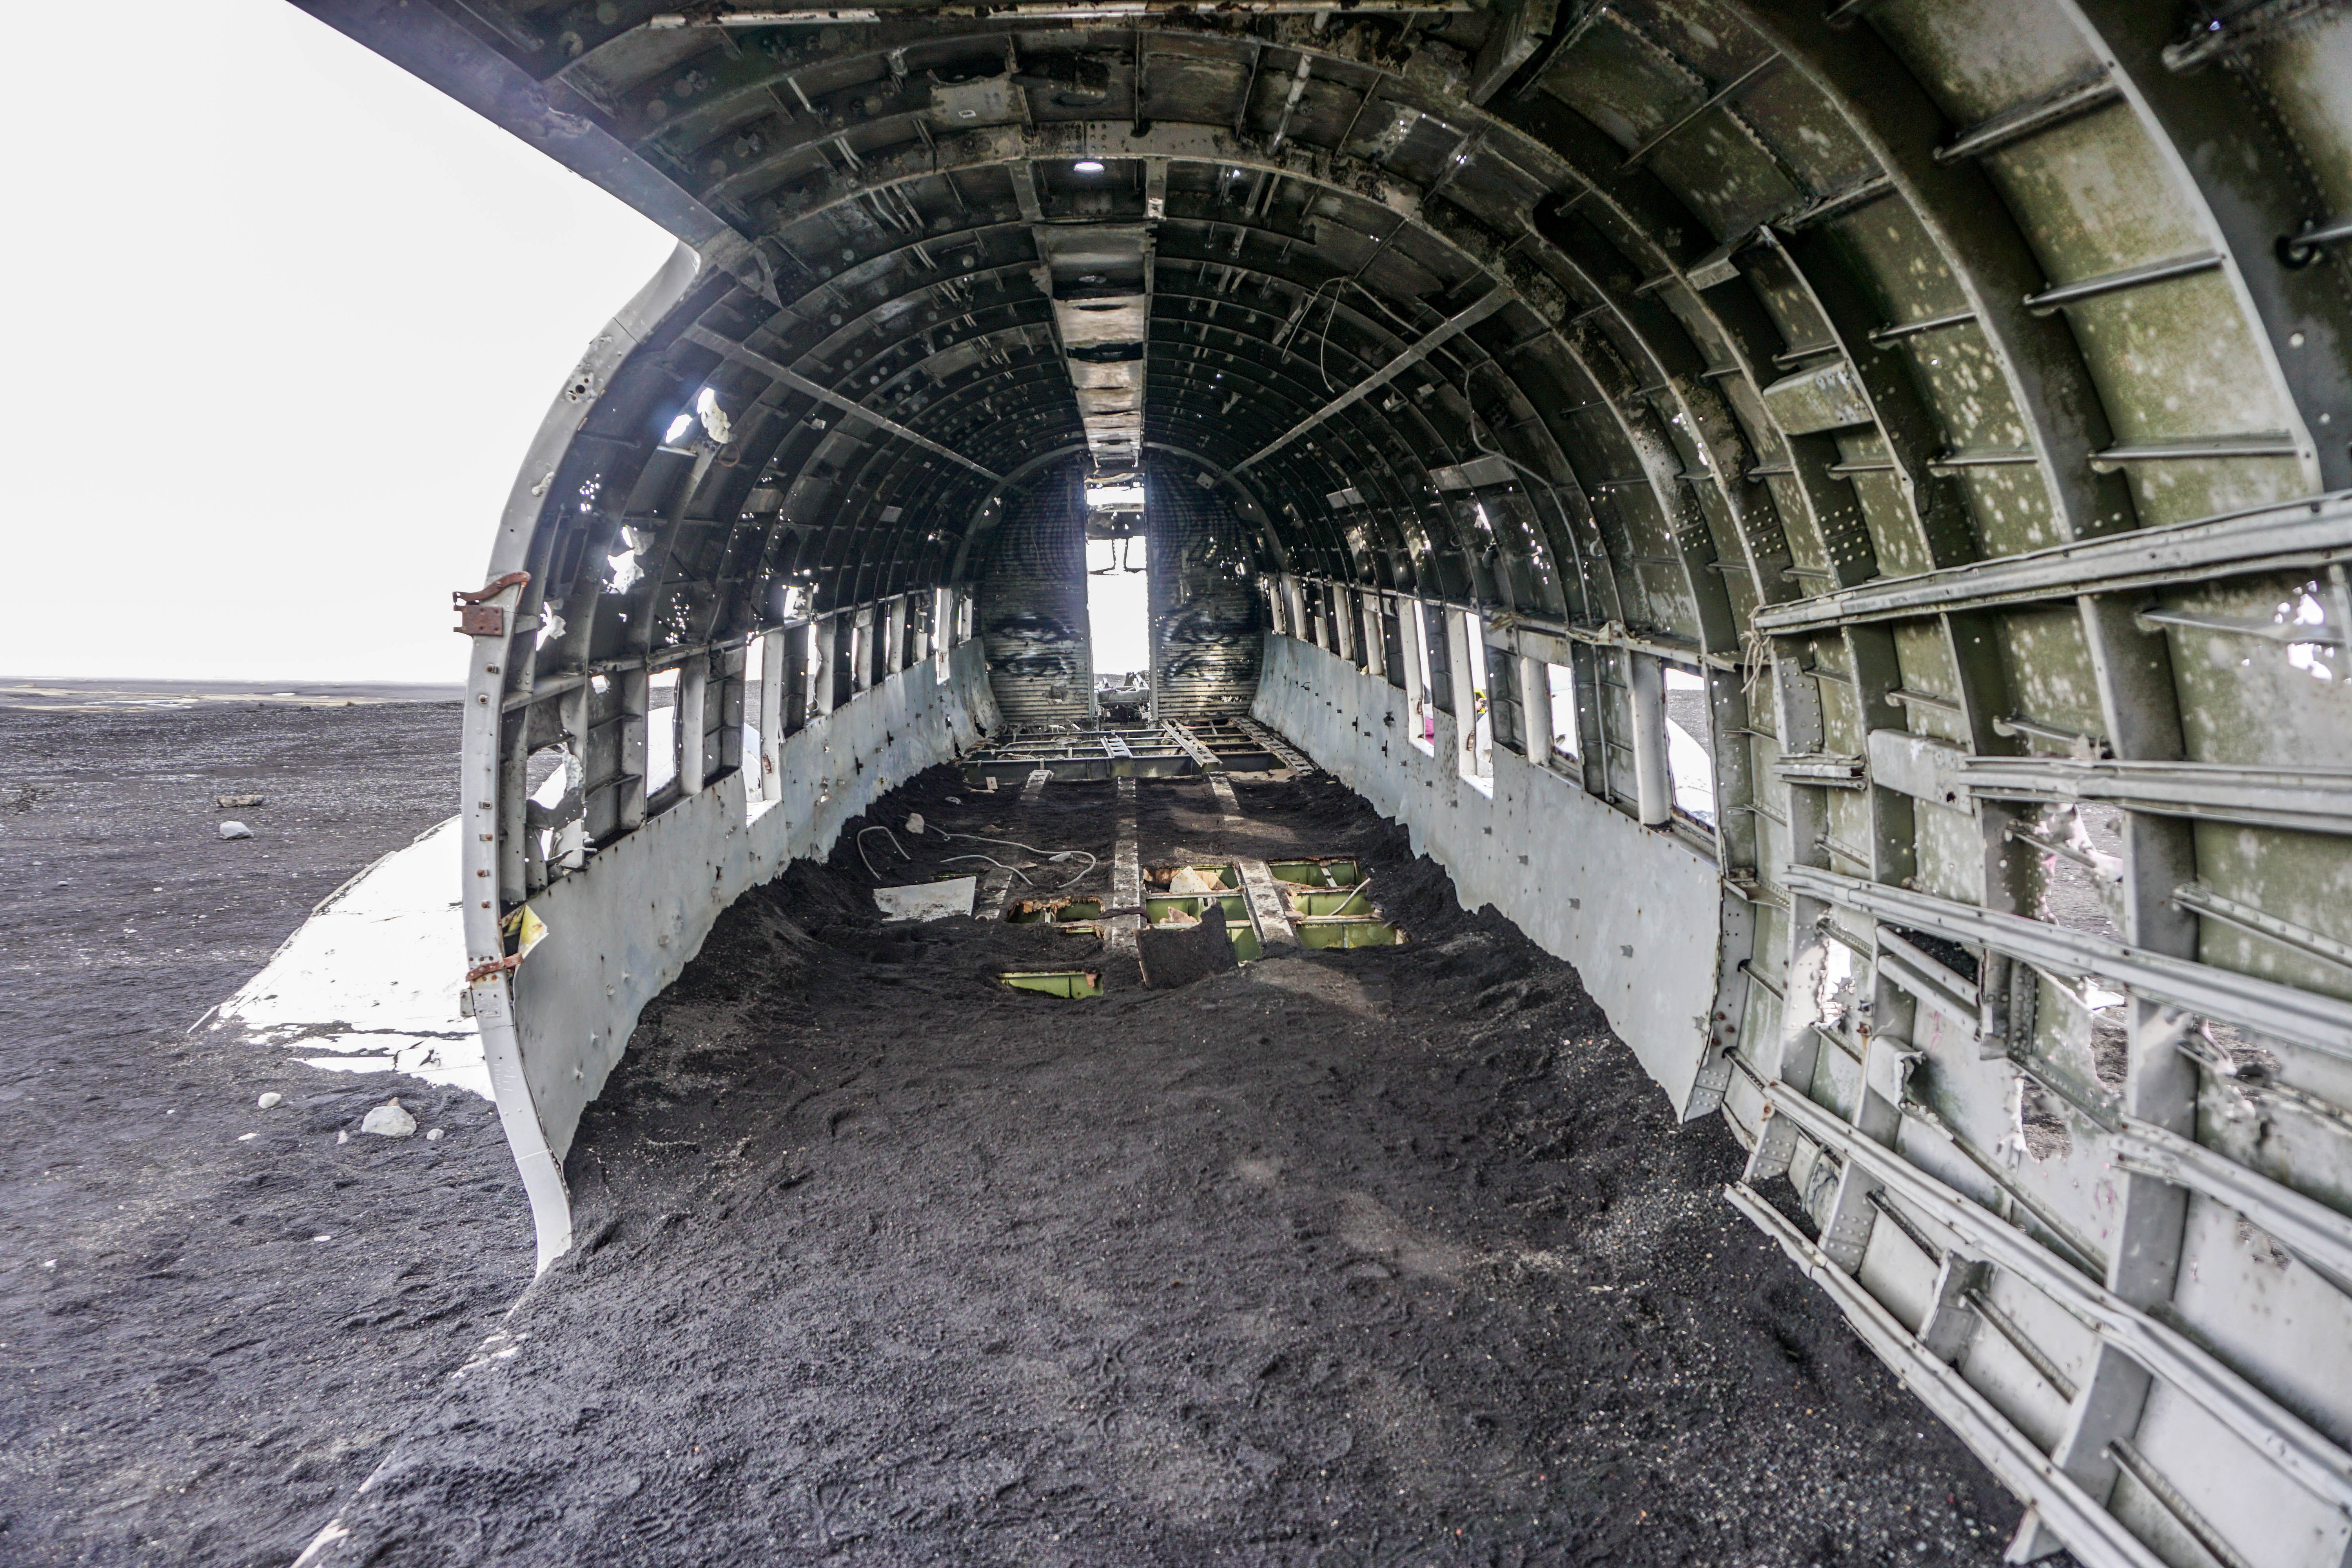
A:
[(1266, 904), (1126, 920)]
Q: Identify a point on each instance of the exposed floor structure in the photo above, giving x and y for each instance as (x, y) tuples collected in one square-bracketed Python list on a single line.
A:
[(1390, 1255), (1137, 751)]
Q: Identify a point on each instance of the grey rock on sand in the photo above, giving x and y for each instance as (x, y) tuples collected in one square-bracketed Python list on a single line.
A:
[(389, 1121)]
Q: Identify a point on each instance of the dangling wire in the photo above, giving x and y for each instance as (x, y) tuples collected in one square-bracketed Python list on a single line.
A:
[(894, 843), (1049, 854), (1323, 341), (994, 861)]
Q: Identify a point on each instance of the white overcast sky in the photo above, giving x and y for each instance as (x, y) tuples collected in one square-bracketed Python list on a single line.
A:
[(283, 320)]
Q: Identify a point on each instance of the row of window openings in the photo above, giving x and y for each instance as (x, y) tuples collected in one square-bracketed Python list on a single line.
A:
[(859, 665), (1689, 765)]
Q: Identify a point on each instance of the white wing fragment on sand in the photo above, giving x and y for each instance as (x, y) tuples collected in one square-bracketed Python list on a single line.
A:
[(373, 980)]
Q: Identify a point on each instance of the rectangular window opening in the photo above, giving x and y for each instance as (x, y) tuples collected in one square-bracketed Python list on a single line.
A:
[(1421, 704), (842, 650), (554, 776), (1436, 626), (749, 690), (815, 672), (942, 633), (1477, 760), (661, 731), (1561, 681), (1690, 755)]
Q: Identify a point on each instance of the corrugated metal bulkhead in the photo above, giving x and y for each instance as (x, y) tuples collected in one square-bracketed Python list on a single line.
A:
[(1208, 636), (1032, 605)]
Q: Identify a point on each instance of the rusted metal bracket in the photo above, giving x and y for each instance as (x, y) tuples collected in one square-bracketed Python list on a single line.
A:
[(489, 590), (496, 966), (475, 616)]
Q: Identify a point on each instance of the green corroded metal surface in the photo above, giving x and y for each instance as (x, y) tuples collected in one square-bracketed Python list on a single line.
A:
[(1345, 933), (1068, 984)]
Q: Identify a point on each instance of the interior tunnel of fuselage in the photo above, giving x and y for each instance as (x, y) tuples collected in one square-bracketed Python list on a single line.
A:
[(1830, 521)]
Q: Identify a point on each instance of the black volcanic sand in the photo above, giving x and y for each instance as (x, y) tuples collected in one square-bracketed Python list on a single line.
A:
[(1391, 1256), (190, 1378)]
